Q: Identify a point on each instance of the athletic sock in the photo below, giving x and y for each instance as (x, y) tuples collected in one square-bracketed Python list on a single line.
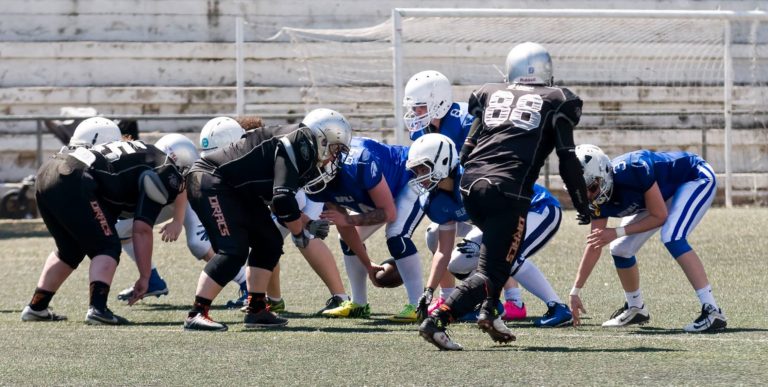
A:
[(257, 302), (201, 305), (514, 295), (413, 278), (706, 297), (445, 292), (99, 293), (634, 299), (240, 278), (41, 299), (532, 279), (343, 296), (357, 279)]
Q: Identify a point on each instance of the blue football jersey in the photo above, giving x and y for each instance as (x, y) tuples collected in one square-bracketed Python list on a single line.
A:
[(455, 125), (634, 173), (366, 164), (442, 206)]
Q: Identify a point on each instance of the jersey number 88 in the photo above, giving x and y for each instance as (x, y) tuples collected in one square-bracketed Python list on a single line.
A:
[(502, 108)]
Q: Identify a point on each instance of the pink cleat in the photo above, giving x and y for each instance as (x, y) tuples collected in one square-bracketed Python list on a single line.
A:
[(513, 312), (436, 304)]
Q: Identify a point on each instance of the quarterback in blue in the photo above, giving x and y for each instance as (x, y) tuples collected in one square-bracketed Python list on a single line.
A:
[(373, 183), (429, 108), (649, 191), (434, 160)]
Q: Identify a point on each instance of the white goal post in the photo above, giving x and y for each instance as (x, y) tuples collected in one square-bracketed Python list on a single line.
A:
[(638, 49)]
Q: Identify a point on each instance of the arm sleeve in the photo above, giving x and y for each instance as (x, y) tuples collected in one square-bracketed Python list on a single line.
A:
[(565, 119), (284, 188)]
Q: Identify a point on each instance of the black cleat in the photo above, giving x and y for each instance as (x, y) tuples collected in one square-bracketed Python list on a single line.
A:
[(103, 317), (496, 329), (263, 319), (433, 331)]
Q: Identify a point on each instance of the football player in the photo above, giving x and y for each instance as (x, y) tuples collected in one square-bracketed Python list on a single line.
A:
[(80, 193), (435, 164), (235, 190), (373, 182), (429, 108), (649, 191), (519, 123)]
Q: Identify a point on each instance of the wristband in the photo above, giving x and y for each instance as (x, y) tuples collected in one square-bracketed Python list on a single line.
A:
[(620, 232), (575, 291)]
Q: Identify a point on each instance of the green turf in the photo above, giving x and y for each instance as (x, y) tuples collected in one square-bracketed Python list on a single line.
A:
[(316, 351)]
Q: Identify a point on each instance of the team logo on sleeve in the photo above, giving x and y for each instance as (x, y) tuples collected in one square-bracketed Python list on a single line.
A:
[(374, 169)]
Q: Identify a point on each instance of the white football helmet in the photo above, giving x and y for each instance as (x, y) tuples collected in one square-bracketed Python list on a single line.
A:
[(332, 134), (180, 149), (429, 89), (219, 132), (529, 63), (93, 131), (431, 158), (598, 172)]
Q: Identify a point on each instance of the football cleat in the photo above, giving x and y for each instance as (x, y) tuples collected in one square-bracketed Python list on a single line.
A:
[(496, 329), (512, 312), (558, 315), (263, 319), (435, 305), (349, 309), (103, 317), (432, 330), (474, 315), (200, 321), (407, 315), (276, 306), (29, 314), (241, 301), (156, 288), (711, 319), (628, 316), (332, 303)]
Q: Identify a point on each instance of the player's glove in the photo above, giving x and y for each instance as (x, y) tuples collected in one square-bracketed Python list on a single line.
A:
[(469, 248), (583, 218), (422, 307), (318, 228), (302, 239)]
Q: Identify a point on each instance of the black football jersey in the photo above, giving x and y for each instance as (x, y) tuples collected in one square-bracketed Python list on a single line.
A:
[(260, 161), (518, 133)]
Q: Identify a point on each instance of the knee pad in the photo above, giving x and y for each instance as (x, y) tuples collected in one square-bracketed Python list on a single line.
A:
[(400, 247), (462, 265), (345, 248), (430, 236), (623, 262), (223, 268), (198, 243), (678, 247)]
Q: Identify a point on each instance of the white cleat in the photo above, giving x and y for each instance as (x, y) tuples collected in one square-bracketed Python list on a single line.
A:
[(710, 320), (628, 316)]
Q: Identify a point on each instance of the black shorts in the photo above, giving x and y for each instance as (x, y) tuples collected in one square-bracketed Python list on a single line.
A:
[(235, 223), (78, 222)]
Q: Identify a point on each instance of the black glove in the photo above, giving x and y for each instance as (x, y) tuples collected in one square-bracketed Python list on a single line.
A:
[(583, 218), (318, 228), (422, 307), (468, 248), (302, 239)]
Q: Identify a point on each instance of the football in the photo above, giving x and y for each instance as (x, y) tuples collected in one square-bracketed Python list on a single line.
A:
[(389, 277)]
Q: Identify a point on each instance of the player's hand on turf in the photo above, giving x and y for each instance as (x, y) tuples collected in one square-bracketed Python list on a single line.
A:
[(170, 231), (577, 308), (422, 307), (319, 228), (601, 237), (335, 217), (301, 240), (139, 289), (372, 274)]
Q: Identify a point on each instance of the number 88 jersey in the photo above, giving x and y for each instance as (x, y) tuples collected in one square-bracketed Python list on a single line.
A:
[(521, 125)]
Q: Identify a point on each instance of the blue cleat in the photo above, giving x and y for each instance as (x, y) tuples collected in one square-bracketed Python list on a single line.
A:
[(241, 301), (473, 315), (558, 315), (157, 287)]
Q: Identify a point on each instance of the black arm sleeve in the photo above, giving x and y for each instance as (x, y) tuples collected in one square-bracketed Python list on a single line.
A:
[(284, 188), (565, 119), (471, 141)]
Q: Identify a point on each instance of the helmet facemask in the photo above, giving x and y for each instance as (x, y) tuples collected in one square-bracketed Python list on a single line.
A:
[(327, 169), (426, 178)]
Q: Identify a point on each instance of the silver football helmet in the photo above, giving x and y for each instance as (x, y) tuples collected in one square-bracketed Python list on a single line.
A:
[(94, 131), (180, 149), (431, 158), (332, 134), (430, 90), (529, 63), (598, 172), (219, 132)]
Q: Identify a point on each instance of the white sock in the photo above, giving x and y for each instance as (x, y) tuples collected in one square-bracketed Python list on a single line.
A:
[(275, 299), (128, 248), (343, 296), (413, 278), (634, 298), (532, 279), (240, 277), (357, 279), (445, 292), (514, 295), (706, 297)]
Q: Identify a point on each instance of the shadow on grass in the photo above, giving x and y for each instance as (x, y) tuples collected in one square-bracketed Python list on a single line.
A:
[(677, 331)]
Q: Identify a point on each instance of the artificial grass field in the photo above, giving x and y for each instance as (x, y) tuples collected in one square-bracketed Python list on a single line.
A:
[(155, 350)]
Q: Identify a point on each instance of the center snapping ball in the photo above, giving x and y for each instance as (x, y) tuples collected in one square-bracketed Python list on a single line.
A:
[(389, 277)]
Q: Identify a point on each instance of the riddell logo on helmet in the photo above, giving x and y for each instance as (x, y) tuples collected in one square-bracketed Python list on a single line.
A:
[(99, 216), (218, 215), (527, 79)]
